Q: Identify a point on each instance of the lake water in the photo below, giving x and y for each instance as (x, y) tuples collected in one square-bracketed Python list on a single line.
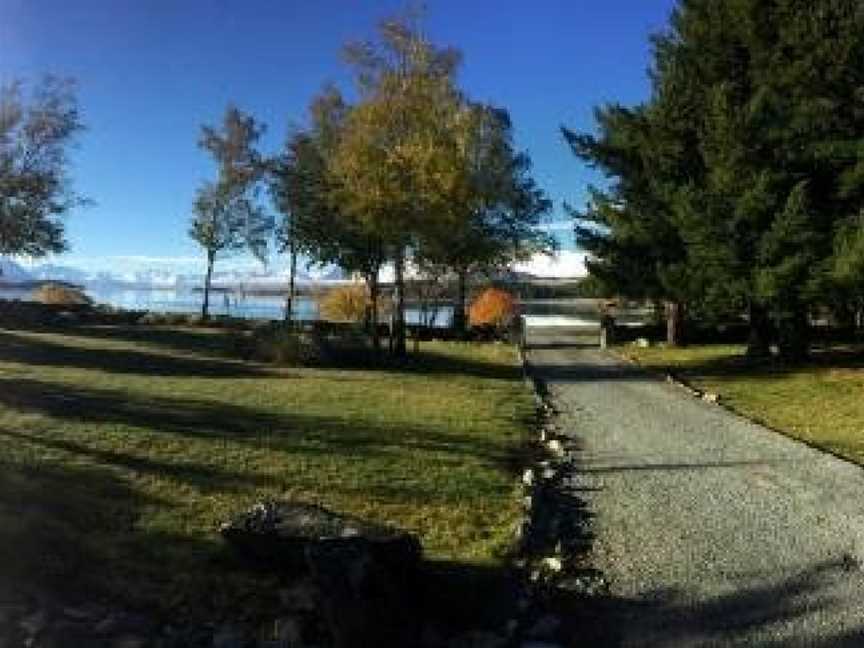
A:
[(265, 307), (578, 313)]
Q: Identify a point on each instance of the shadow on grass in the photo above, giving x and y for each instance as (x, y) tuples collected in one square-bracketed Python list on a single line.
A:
[(204, 477), (69, 536), (73, 531), (219, 421), (58, 525), (36, 350), (215, 342), (841, 357), (210, 354)]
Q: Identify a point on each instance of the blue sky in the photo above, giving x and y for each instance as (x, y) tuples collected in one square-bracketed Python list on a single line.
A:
[(150, 72)]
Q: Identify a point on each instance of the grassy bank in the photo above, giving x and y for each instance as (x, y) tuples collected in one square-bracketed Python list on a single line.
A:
[(819, 402), (123, 449)]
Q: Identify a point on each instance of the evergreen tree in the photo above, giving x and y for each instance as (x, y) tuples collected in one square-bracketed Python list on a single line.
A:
[(753, 131)]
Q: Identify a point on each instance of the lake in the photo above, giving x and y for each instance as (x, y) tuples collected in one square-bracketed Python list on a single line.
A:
[(578, 313), (264, 307)]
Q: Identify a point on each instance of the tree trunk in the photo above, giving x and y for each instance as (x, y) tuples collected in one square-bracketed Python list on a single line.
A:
[(292, 272), (674, 324), (374, 291), (398, 334), (794, 336), (761, 331), (459, 318), (205, 307)]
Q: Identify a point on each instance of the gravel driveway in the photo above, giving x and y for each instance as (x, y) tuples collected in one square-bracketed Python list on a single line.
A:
[(711, 531)]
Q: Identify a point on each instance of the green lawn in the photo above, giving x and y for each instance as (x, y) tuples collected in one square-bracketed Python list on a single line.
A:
[(821, 402), (123, 449)]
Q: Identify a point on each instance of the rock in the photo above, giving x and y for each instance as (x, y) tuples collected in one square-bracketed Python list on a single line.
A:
[(479, 639), (34, 624), (124, 625), (300, 597), (432, 637), (86, 612), (367, 601), (10, 614), (129, 641), (229, 636), (545, 627), (66, 634), (284, 632), (277, 534), (511, 627), (711, 398)]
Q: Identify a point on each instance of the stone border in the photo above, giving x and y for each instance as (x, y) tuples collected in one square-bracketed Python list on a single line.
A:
[(551, 541)]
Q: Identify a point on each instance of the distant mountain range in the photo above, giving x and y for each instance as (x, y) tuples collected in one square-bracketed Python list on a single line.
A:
[(14, 273), (11, 272), (161, 275)]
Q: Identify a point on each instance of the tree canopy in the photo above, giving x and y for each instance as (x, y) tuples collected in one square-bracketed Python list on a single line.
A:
[(37, 128), (226, 214)]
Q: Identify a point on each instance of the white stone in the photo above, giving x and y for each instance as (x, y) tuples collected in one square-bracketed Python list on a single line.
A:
[(552, 563), (556, 447)]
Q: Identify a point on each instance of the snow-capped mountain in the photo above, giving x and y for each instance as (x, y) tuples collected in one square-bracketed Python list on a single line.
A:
[(166, 279), (47, 271), (11, 272)]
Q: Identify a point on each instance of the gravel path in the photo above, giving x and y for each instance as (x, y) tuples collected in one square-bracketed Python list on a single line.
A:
[(711, 531)]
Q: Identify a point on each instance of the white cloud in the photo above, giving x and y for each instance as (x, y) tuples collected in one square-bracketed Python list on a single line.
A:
[(557, 226), (567, 264)]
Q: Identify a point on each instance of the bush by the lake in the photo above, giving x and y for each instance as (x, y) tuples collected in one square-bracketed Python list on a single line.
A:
[(494, 308), (283, 345), (344, 304), (61, 295)]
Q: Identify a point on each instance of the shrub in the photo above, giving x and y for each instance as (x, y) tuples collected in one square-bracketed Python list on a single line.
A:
[(61, 295), (344, 304), (493, 308), (283, 345)]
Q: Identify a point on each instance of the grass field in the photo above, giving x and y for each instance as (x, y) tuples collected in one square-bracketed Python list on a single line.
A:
[(123, 449), (821, 402)]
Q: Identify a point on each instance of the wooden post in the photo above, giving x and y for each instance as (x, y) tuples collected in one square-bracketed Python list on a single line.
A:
[(607, 331)]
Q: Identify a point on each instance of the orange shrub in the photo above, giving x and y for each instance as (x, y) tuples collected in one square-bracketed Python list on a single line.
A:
[(493, 307)]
